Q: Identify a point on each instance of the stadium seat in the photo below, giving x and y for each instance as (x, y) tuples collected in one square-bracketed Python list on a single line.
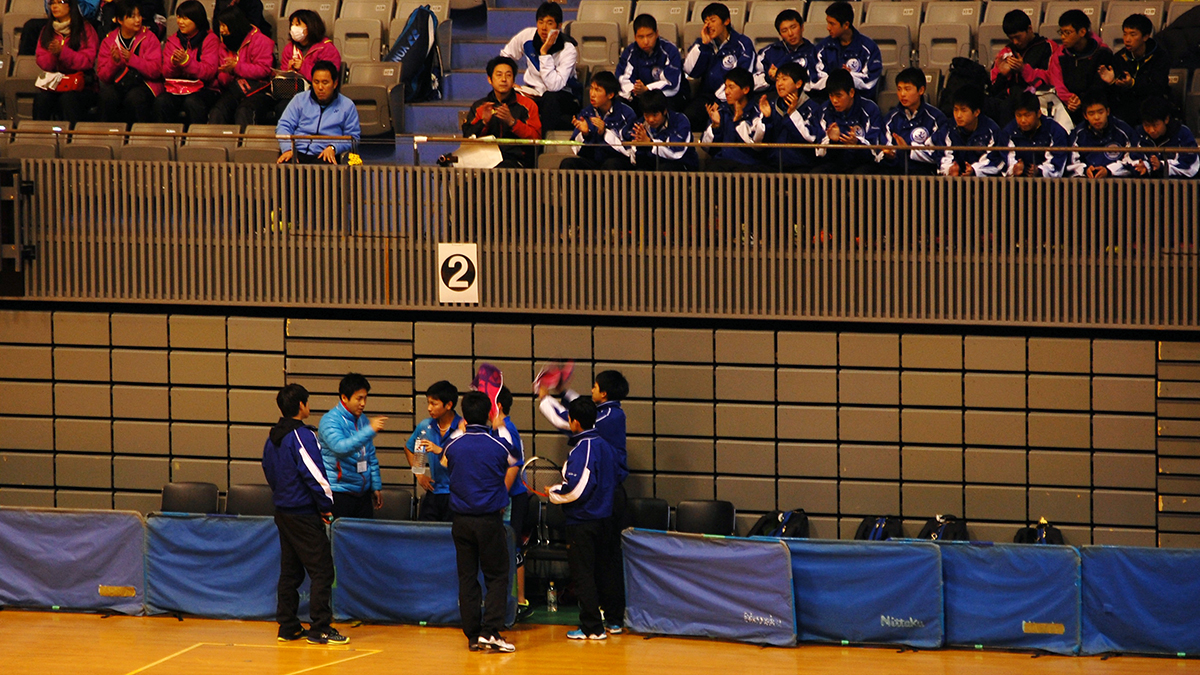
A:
[(35, 146), (189, 498), (260, 146), (766, 11), (648, 514), (18, 14), (886, 97), (250, 500), (19, 87), (761, 34), (893, 40), (370, 86), (1113, 35), (380, 10), (1191, 104), (1092, 8), (597, 30), (95, 147), (674, 12), (994, 16), (691, 31), (705, 516), (405, 8), (209, 143), (895, 13), (1118, 10), (990, 40), (441, 10), (1177, 9), (397, 504), (359, 40), (272, 9), (1177, 82), (816, 16), (966, 12), (326, 9), (151, 148), (5, 137), (666, 31), (941, 43)]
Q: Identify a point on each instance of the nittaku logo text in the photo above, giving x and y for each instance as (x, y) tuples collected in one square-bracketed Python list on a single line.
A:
[(892, 622), (761, 620)]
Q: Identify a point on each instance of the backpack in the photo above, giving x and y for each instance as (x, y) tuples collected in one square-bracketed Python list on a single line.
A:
[(420, 57), (1042, 533), (879, 528), (944, 528), (786, 524), (963, 71)]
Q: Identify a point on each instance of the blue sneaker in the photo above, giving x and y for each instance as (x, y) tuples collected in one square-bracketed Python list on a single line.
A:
[(580, 635), (614, 628)]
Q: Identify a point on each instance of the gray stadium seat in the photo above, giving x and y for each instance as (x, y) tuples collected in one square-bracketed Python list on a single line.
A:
[(36, 146), (209, 143), (404, 9), (19, 12), (1117, 11), (151, 148), (370, 86), (994, 16), (1113, 35), (896, 13), (272, 9), (761, 34), (815, 14), (95, 147), (250, 500), (440, 9), (259, 148), (894, 42), (1092, 8), (737, 19), (597, 29), (673, 12), (990, 41), (1177, 82), (19, 87), (941, 43), (1191, 103), (326, 9), (1177, 9), (359, 39), (666, 31), (189, 497), (967, 12), (765, 11)]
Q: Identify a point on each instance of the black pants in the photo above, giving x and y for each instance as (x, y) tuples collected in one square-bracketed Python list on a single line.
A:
[(234, 107), (479, 543), (585, 164), (195, 107), (586, 544), (70, 106), (730, 166), (348, 505), (129, 106), (610, 575), (556, 108), (434, 508), (697, 112), (660, 164), (303, 548)]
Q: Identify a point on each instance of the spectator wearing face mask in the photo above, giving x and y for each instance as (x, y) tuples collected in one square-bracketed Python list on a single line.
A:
[(308, 45)]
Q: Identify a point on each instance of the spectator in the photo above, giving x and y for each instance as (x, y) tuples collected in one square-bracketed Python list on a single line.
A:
[(251, 9), (791, 47), (550, 72), (661, 124), (791, 119), (737, 120), (911, 126), (129, 67), (245, 71), (847, 49), (67, 52), (1030, 128), (307, 46), (320, 112), (650, 64), (971, 128), (1139, 71), (189, 65), (505, 113), (1075, 71), (848, 119), (1023, 64), (603, 126), (1100, 130), (1160, 129), (107, 19), (718, 50)]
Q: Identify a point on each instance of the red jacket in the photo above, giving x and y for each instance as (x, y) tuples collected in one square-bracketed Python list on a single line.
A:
[(70, 60), (322, 51), (145, 56), (255, 58), (203, 68)]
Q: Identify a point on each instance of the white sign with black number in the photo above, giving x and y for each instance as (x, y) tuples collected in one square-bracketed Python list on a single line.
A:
[(458, 273)]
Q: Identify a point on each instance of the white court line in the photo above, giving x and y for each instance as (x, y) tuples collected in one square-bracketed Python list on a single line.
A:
[(333, 663), (363, 652), (166, 658)]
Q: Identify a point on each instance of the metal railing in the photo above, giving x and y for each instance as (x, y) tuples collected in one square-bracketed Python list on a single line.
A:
[(760, 246)]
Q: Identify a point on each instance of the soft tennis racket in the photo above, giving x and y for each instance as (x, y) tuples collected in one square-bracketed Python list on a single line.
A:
[(539, 474), (489, 380)]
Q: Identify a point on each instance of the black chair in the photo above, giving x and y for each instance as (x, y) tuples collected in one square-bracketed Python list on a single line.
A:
[(397, 504), (189, 498), (250, 500), (648, 514), (705, 516)]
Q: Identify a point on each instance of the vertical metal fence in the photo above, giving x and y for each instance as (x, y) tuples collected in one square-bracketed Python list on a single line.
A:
[(1120, 253)]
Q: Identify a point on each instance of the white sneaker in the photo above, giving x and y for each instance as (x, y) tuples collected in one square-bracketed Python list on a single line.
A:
[(580, 635), (496, 643)]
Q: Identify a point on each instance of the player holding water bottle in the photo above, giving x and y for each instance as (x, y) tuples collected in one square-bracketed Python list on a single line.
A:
[(433, 433)]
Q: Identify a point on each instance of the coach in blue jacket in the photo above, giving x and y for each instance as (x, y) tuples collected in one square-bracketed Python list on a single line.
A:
[(323, 111), (348, 448)]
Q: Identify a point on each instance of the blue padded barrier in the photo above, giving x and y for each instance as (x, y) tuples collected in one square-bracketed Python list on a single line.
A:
[(728, 588), (65, 559), (1141, 600), (1012, 596), (868, 592), (401, 572)]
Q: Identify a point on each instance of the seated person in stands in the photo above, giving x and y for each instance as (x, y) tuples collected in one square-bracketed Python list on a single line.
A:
[(718, 50), (971, 128), (505, 113), (67, 46), (107, 19), (1023, 64), (849, 50), (791, 118), (736, 120), (190, 60), (1139, 71), (650, 64), (911, 124), (550, 67), (1160, 129), (322, 111), (603, 125), (129, 67), (1031, 128), (792, 47), (1100, 130), (662, 125), (1075, 70), (247, 56), (251, 9), (848, 119), (307, 45)]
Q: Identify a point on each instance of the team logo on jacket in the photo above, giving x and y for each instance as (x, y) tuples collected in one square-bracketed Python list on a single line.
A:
[(1112, 156), (856, 130), (853, 64), (656, 72), (919, 135), (729, 62)]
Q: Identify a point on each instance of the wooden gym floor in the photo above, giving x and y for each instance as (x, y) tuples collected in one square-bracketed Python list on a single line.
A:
[(37, 643)]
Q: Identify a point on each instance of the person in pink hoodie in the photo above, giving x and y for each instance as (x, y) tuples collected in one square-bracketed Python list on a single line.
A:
[(307, 46), (129, 67), (67, 45), (190, 60), (245, 72)]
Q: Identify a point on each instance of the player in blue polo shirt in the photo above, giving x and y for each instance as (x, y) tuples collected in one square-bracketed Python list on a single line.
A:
[(440, 400)]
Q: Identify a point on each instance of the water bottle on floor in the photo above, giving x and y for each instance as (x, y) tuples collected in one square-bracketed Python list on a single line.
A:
[(551, 598), (420, 456)]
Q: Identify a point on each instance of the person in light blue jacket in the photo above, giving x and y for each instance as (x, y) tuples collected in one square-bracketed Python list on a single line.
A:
[(323, 111), (348, 450)]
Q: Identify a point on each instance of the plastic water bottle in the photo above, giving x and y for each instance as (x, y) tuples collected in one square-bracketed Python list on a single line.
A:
[(551, 598), (419, 454)]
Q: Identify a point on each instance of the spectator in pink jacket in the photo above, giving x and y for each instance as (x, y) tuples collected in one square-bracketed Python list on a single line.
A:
[(245, 71), (67, 46), (308, 44), (129, 67), (190, 61)]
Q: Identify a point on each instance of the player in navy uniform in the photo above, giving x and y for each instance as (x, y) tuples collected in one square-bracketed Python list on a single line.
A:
[(737, 120), (791, 47), (851, 120), (1030, 128), (660, 123), (718, 50), (790, 119), (971, 127), (910, 127), (1100, 130), (847, 49), (1160, 129), (651, 64), (603, 127)]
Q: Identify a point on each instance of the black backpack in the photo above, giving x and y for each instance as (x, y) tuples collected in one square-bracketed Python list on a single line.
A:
[(787, 524), (963, 71), (420, 57), (879, 528), (944, 528), (1042, 533)]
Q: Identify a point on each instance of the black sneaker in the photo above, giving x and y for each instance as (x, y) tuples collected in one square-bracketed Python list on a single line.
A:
[(524, 611), (328, 636), (473, 645), (287, 636)]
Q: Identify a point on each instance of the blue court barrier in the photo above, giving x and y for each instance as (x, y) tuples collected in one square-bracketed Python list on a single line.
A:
[(727, 588), (1141, 600), (402, 572), (74, 560), (222, 567), (868, 592), (1012, 596)]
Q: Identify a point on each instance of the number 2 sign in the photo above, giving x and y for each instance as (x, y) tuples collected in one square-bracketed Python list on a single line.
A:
[(458, 273)]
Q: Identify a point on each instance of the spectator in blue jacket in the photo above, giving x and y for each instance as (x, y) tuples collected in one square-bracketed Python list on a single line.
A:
[(320, 112), (662, 125), (443, 423), (603, 127), (850, 120), (791, 47), (1100, 130), (910, 128), (737, 120), (1030, 128), (847, 49), (1160, 129), (650, 64), (791, 118), (303, 506), (718, 50), (971, 128), (348, 449)]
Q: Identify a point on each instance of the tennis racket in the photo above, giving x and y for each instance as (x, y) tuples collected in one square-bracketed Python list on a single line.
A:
[(539, 474), (489, 380)]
